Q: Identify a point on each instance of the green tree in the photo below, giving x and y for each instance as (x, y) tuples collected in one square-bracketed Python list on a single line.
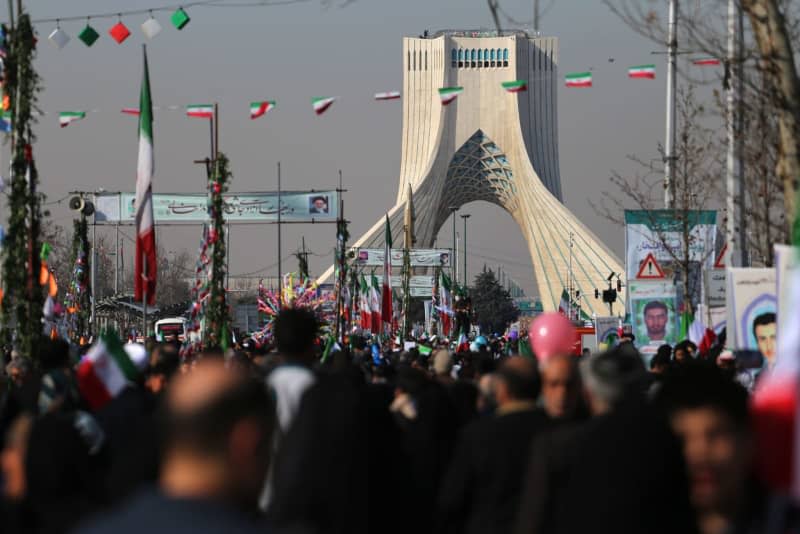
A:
[(493, 307)]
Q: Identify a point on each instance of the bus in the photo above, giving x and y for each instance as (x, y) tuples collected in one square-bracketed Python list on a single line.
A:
[(171, 328)]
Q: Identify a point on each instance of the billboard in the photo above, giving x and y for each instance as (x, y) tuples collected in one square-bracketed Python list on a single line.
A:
[(296, 206), (420, 257)]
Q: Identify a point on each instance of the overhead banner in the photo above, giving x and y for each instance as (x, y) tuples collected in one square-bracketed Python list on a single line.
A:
[(414, 281), (752, 305), (296, 206), (420, 257), (654, 237)]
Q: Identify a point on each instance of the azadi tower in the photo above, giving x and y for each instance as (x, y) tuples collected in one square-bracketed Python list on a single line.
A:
[(494, 146)]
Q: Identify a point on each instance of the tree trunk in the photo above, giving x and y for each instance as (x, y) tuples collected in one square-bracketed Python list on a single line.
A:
[(769, 27)]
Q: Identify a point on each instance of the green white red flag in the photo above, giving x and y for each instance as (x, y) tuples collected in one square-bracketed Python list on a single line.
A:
[(578, 79), (448, 94), (516, 86), (258, 109), (706, 62), (145, 264), (386, 294), (322, 103), (647, 72), (389, 95), (105, 371), (65, 118), (375, 305), (200, 111)]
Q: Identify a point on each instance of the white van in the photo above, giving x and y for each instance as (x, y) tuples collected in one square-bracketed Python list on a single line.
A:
[(172, 327)]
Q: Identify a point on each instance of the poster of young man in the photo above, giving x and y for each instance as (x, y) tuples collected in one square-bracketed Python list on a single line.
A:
[(654, 315), (752, 308)]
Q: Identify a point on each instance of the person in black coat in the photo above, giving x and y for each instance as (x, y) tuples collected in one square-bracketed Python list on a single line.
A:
[(621, 472), (480, 493)]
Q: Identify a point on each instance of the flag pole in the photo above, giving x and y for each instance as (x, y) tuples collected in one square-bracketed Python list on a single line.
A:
[(280, 277), (144, 299)]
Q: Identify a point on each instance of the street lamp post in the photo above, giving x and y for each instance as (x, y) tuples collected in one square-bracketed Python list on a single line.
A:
[(453, 210), (465, 217)]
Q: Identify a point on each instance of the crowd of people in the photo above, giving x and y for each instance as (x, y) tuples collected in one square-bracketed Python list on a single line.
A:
[(486, 439)]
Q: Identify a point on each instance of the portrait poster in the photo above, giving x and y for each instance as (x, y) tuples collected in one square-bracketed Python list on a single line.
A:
[(752, 306), (653, 315)]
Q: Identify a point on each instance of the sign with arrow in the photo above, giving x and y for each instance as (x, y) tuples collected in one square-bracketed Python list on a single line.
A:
[(650, 269), (720, 261)]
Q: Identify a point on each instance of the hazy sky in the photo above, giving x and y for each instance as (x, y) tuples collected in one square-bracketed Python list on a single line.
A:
[(293, 52)]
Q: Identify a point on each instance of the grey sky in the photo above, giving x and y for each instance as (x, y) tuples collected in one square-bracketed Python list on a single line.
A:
[(290, 53)]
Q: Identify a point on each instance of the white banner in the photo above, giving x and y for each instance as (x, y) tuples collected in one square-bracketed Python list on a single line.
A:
[(419, 257), (752, 306), (715, 287)]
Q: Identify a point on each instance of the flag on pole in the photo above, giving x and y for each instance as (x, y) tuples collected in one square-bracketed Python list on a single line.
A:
[(146, 269), (579, 79), (386, 294), (257, 109), (389, 95), (516, 86), (366, 313), (105, 371), (322, 103), (706, 62), (67, 117), (448, 94), (647, 72), (200, 111), (445, 304), (375, 306)]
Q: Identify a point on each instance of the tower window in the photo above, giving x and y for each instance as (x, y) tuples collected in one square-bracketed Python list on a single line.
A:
[(453, 57), (426, 60), (505, 57)]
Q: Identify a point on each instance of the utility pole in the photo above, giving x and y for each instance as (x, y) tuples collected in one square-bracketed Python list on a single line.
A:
[(465, 217), (453, 210), (280, 278), (669, 142), (535, 16), (735, 230)]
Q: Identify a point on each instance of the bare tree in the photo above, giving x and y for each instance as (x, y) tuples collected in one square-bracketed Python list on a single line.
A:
[(696, 172)]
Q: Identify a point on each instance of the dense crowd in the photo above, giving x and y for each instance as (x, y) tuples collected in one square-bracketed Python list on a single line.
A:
[(483, 440)]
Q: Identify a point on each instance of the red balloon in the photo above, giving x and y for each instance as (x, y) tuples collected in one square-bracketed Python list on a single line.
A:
[(551, 334)]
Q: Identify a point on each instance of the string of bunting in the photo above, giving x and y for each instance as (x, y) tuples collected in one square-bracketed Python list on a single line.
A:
[(321, 104)]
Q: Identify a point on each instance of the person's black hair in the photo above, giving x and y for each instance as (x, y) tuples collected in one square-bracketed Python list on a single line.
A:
[(53, 353), (662, 356), (295, 330), (168, 362), (319, 197), (763, 319), (521, 385), (206, 428), (701, 384), (685, 345), (653, 305)]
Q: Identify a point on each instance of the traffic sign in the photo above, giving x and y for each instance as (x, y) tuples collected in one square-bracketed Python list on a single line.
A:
[(650, 269), (720, 262)]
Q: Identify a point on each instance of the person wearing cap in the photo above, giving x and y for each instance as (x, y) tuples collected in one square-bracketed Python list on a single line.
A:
[(620, 472)]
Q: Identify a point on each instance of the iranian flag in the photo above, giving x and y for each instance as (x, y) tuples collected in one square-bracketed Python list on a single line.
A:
[(390, 95), (65, 118), (517, 86), (366, 314), (579, 79), (647, 72), (386, 293), (105, 371), (706, 62), (375, 305), (145, 270), (445, 306), (322, 103), (200, 111), (448, 94), (257, 109), (130, 111)]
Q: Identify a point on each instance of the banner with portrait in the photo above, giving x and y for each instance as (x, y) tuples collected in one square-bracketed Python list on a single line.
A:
[(654, 315), (752, 306)]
